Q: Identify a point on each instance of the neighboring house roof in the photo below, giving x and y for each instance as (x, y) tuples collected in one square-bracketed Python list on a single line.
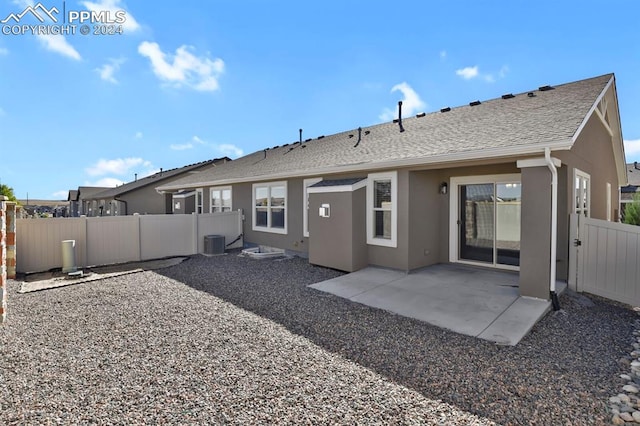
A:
[(73, 195), (633, 174), (512, 125), (86, 192), (337, 182), (155, 179)]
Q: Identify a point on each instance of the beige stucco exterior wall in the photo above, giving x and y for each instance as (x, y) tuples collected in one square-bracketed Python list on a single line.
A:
[(398, 257), (593, 154), (338, 241), (535, 234), (428, 211), (294, 240)]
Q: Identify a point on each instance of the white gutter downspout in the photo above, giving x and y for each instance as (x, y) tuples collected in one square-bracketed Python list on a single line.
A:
[(554, 227)]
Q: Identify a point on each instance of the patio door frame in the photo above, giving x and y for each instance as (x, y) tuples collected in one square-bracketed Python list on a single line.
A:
[(454, 228)]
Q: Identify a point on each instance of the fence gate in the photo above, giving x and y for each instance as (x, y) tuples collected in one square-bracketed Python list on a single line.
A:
[(604, 259)]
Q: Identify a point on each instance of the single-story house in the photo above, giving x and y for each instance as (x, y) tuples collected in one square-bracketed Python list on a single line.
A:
[(83, 198), (627, 192), (140, 195), (490, 183)]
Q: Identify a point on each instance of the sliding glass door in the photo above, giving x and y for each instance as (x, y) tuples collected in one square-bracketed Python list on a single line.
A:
[(488, 221)]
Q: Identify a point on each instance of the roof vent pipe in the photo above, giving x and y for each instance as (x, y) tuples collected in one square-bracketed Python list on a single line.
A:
[(359, 137), (160, 171), (135, 176), (300, 135), (635, 165), (400, 116)]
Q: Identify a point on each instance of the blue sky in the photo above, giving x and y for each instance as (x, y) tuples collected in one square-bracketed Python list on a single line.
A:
[(194, 80)]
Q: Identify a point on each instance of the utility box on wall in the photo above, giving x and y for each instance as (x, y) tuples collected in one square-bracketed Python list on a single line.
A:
[(337, 220)]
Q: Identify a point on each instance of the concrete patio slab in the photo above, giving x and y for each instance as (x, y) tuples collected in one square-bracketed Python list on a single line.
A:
[(472, 301)]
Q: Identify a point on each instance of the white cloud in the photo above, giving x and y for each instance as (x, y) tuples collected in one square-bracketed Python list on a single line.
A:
[(502, 73), (183, 68), (181, 146), (112, 6), (468, 72), (58, 43), (4, 51), (411, 102), (187, 145), (138, 135), (119, 166), (108, 70), (224, 149), (230, 150), (632, 148), (62, 195), (55, 42), (105, 182)]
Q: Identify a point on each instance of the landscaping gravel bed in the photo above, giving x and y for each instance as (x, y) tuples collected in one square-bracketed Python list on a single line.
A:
[(228, 339)]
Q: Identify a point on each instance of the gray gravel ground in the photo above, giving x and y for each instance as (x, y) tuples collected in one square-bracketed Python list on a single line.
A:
[(146, 348)]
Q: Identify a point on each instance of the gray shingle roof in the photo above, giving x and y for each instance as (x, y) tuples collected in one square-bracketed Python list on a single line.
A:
[(633, 174), (336, 182), (494, 128), (155, 179)]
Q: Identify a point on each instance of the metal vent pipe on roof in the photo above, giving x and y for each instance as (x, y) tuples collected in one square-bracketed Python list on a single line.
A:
[(400, 116), (300, 135), (359, 137)]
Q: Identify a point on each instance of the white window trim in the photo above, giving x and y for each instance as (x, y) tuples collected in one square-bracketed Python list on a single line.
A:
[(199, 195), (305, 203), (453, 213), (577, 173), (371, 239), (268, 228), (219, 188)]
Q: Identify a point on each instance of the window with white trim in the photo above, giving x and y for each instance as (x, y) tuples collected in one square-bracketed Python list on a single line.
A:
[(220, 199), (582, 193), (382, 209), (199, 197), (305, 204), (270, 207)]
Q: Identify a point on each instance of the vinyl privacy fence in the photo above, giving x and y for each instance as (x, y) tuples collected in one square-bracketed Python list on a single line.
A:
[(604, 259), (119, 239)]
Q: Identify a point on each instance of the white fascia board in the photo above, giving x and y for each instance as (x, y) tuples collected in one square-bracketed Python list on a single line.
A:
[(483, 154), (537, 162), (338, 188), (185, 195), (619, 149), (591, 110)]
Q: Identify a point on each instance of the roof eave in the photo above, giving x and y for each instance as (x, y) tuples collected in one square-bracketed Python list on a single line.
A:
[(487, 153)]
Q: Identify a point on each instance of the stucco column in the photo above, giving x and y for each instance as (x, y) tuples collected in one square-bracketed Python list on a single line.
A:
[(11, 239), (3, 259), (535, 232)]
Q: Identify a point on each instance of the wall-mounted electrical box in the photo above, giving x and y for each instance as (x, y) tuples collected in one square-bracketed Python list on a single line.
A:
[(325, 210)]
